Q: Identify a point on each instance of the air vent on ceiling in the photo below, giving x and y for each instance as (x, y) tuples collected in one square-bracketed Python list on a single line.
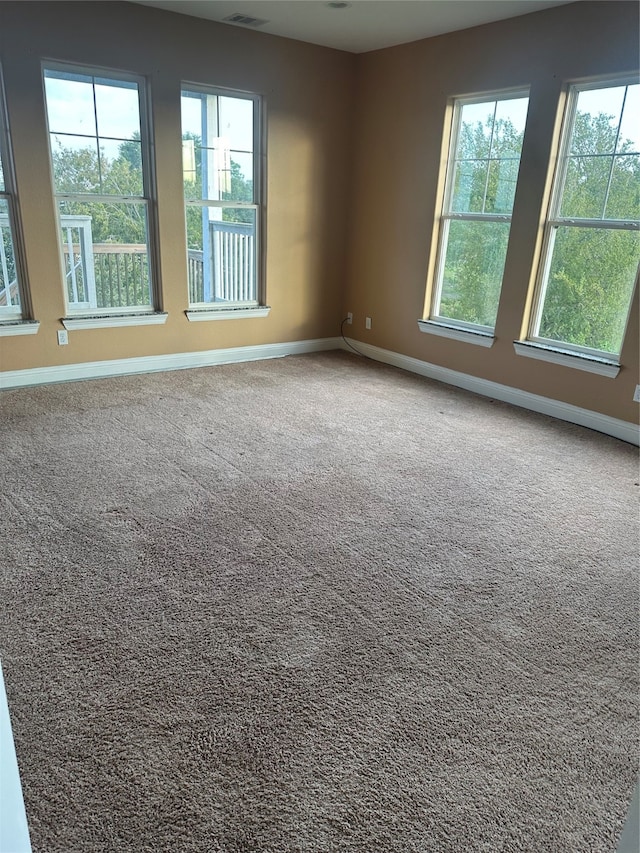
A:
[(245, 20)]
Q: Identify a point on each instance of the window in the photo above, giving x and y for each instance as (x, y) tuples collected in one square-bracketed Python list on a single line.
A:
[(480, 185), (10, 279), (220, 133), (591, 245), (99, 155)]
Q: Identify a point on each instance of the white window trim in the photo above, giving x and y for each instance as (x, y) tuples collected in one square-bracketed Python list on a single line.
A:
[(18, 327), (256, 311), (106, 321), (446, 216), (535, 345), (480, 335), (147, 199), (567, 358), (257, 204), (23, 311)]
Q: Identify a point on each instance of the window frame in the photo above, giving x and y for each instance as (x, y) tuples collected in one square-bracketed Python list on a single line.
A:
[(241, 308), (10, 321), (472, 332), (147, 200), (553, 221)]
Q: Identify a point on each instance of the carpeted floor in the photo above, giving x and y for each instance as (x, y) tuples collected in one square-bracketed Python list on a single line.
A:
[(316, 604)]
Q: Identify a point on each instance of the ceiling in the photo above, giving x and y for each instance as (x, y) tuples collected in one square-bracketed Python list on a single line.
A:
[(361, 25)]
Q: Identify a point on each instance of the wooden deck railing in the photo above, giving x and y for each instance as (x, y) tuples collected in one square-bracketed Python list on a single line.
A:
[(116, 275), (119, 273)]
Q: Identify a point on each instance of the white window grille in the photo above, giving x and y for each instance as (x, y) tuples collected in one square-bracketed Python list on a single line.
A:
[(482, 172), (591, 247), (100, 162)]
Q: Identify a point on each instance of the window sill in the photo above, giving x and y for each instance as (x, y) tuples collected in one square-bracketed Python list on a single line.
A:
[(18, 327), (590, 363), (106, 321), (469, 336), (198, 314)]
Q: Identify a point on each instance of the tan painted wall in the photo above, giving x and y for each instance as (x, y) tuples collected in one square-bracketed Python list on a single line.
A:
[(308, 92), (401, 97), (354, 153)]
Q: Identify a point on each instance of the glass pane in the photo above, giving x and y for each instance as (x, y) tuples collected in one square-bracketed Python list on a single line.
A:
[(241, 183), (469, 182), (629, 139), (488, 148), (597, 118), (121, 167), (197, 231), (585, 187), (589, 288), (473, 269), (106, 254), (223, 168), (508, 131), (221, 255), (9, 294), (118, 109), (213, 172), (624, 193), (70, 106), (501, 188), (236, 122), (191, 110), (191, 169), (2, 185), (474, 138), (75, 164)]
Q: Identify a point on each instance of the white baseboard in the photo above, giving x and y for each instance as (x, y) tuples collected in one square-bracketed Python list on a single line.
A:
[(544, 405), (178, 361), (154, 363)]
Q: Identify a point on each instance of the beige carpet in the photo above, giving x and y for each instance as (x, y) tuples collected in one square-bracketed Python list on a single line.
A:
[(316, 604)]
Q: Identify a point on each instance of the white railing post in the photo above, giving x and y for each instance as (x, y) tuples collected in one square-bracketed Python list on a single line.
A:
[(82, 224), (71, 274), (86, 251)]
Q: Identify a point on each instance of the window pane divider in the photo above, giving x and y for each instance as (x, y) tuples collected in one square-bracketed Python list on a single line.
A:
[(614, 224), (94, 197), (245, 205), (615, 148), (479, 217)]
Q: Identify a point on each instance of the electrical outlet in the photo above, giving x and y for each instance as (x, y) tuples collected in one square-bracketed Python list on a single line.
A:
[(367, 323), (349, 318), (636, 395), (63, 337)]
